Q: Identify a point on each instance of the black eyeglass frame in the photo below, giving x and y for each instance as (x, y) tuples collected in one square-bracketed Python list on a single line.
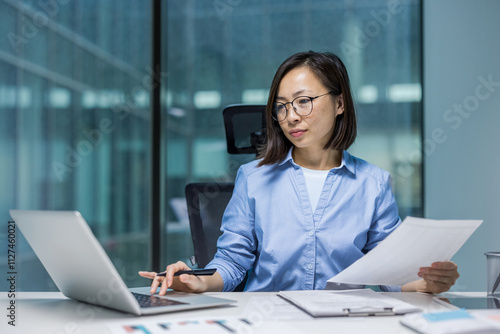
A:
[(275, 117)]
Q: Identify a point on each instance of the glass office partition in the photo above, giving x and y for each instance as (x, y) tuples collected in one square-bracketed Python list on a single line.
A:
[(74, 123), (225, 52)]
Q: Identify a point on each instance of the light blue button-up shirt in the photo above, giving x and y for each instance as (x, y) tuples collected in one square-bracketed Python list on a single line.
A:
[(270, 230)]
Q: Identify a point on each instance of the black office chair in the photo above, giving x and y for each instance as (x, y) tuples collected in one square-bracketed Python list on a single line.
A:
[(206, 201)]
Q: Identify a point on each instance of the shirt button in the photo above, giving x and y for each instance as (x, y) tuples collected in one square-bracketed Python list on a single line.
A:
[(311, 233), (309, 266)]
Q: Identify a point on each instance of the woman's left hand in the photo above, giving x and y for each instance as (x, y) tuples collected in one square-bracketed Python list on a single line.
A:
[(437, 278)]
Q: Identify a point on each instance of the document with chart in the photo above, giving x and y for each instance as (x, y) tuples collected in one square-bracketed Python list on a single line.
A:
[(417, 242)]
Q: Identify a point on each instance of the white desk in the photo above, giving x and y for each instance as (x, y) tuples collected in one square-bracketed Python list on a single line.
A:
[(51, 312)]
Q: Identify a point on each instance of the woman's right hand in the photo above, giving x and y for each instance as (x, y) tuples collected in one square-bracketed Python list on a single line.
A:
[(184, 282)]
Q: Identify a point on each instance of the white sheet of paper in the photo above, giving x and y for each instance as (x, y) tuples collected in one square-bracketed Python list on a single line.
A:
[(417, 242)]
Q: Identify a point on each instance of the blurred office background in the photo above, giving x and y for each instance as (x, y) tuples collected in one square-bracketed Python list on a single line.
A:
[(76, 106)]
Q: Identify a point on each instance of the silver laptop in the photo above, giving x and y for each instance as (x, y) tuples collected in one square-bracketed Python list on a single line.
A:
[(82, 270)]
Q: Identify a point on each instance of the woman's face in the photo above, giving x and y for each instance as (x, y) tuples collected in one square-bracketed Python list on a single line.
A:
[(315, 129)]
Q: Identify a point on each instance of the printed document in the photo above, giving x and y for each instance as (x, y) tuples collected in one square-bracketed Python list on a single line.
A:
[(417, 242)]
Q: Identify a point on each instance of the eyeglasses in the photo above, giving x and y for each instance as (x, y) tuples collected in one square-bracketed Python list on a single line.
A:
[(302, 105)]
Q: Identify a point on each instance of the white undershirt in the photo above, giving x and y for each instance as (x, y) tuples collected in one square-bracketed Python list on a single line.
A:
[(315, 179)]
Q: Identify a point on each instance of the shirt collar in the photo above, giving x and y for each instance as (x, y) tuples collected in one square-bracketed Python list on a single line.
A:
[(347, 161)]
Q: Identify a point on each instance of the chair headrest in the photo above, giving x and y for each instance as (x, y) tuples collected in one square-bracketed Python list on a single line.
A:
[(245, 127)]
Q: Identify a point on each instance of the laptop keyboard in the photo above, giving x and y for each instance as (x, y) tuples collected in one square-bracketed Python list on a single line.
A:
[(154, 301)]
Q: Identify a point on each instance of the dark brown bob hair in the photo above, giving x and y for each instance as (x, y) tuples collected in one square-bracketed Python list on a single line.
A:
[(333, 75)]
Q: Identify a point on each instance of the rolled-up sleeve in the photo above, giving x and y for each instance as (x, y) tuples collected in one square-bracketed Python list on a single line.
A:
[(390, 288)]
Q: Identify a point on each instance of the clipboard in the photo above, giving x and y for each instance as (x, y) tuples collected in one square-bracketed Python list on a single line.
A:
[(347, 303), (368, 311)]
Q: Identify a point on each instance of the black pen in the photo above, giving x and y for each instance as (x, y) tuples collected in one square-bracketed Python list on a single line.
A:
[(196, 272)]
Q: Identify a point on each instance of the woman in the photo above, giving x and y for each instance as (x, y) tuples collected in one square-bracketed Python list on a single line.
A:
[(306, 209)]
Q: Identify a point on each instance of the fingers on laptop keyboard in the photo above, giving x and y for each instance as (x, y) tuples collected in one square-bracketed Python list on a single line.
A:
[(157, 281)]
